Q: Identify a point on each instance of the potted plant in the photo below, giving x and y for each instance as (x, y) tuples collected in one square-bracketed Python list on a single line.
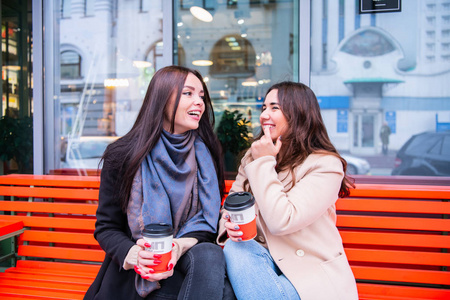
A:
[(233, 133), (16, 143)]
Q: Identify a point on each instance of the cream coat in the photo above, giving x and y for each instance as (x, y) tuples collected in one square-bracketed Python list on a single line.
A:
[(299, 227)]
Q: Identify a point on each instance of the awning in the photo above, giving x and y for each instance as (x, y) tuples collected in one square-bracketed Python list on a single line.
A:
[(373, 80)]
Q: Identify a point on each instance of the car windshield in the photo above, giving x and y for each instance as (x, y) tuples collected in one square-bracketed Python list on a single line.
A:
[(421, 144), (88, 149)]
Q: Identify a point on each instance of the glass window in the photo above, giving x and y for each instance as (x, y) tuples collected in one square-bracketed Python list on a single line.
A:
[(89, 6), (379, 73), (240, 47), (106, 63), (16, 105), (70, 65)]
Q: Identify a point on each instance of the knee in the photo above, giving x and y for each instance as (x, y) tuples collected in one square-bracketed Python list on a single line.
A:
[(209, 254), (239, 251)]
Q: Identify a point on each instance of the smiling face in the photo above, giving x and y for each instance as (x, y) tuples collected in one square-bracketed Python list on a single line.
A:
[(272, 116), (190, 108)]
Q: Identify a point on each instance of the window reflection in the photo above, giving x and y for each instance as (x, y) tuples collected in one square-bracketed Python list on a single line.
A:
[(70, 65), (368, 43), (381, 73), (245, 48), (107, 58)]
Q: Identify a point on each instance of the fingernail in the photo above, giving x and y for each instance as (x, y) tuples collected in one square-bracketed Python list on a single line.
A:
[(236, 227), (239, 239), (173, 245), (227, 216), (137, 270), (157, 256), (151, 271), (147, 245), (157, 261), (169, 267)]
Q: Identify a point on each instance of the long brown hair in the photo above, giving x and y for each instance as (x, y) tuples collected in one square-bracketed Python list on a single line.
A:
[(126, 154), (306, 133)]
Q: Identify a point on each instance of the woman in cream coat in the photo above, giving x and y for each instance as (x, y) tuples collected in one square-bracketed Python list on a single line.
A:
[(296, 176)]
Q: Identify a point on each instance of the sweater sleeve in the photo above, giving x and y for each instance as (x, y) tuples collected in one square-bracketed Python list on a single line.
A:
[(313, 193), (111, 227)]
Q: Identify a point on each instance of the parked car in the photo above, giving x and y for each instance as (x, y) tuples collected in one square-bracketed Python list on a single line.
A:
[(356, 165), (424, 154), (85, 152)]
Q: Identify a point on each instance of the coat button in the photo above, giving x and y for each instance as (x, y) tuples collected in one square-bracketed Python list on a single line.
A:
[(300, 252)]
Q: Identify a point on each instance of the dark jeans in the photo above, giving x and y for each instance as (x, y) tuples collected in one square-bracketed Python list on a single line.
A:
[(199, 274)]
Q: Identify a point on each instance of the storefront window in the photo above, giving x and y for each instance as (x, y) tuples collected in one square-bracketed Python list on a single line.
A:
[(240, 47), (378, 74), (109, 51)]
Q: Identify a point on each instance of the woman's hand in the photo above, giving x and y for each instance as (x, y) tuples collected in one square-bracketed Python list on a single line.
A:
[(265, 146), (232, 228), (148, 259)]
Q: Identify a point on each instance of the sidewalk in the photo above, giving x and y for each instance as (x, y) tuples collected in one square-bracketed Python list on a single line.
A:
[(381, 164)]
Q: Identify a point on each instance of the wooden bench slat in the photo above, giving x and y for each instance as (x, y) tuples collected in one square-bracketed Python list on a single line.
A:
[(53, 222), (399, 206), (398, 257), (41, 292), (51, 180), (4, 296), (49, 207), (43, 281), (395, 239), (381, 222), (400, 191), (59, 237), (374, 291), (56, 193), (399, 275), (37, 275), (74, 276), (58, 266), (62, 253)]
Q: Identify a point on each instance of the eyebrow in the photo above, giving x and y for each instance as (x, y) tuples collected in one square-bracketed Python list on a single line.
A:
[(272, 103), (192, 88)]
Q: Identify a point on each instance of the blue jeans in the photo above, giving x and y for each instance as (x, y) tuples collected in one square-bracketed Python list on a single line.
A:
[(199, 274), (254, 274)]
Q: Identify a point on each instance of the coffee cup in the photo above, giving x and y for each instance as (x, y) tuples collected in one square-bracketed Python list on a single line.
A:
[(159, 236), (241, 208)]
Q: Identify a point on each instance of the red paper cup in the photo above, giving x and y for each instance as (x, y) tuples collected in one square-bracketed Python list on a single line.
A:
[(159, 236), (241, 207)]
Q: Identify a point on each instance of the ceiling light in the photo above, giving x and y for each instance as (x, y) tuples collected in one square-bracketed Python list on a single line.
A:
[(116, 82), (140, 64), (202, 62), (201, 14)]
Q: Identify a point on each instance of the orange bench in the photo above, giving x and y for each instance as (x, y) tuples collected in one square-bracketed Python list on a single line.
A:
[(58, 257), (395, 236)]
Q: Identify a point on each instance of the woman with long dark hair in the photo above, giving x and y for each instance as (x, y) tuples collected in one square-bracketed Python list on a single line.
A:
[(295, 175), (167, 169)]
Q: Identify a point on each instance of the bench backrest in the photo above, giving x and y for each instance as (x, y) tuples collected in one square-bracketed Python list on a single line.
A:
[(58, 213), (398, 234)]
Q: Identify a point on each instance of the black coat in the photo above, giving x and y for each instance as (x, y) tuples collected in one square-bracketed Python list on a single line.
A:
[(114, 236)]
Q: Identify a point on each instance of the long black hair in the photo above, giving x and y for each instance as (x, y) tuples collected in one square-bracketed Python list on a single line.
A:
[(126, 154)]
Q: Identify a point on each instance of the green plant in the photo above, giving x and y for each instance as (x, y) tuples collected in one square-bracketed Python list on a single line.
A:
[(233, 131), (16, 141)]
